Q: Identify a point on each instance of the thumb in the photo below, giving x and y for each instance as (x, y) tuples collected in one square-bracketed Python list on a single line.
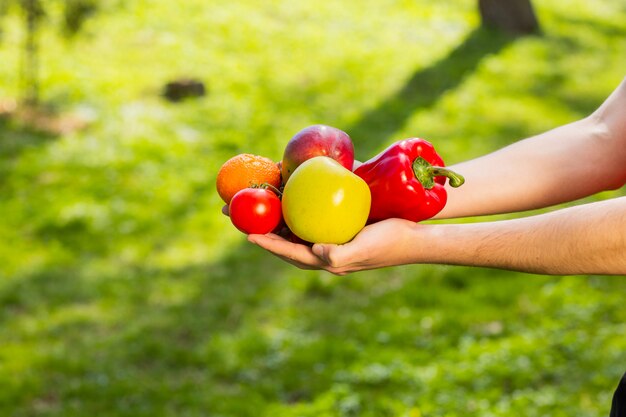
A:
[(327, 252)]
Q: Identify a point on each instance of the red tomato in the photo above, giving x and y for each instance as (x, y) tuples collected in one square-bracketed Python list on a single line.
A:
[(255, 211)]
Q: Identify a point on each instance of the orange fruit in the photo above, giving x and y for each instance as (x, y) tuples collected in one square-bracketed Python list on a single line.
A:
[(243, 171)]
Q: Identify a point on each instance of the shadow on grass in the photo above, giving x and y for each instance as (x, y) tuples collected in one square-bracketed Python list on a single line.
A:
[(230, 337), (154, 351), (243, 333), (424, 88)]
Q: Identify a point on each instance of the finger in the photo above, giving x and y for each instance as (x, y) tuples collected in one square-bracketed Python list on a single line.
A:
[(333, 255), (321, 251), (309, 265), (291, 252), (295, 263)]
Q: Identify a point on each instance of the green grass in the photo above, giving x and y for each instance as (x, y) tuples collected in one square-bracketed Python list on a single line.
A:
[(125, 292)]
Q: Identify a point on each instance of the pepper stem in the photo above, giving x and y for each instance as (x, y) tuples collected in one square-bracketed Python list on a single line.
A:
[(425, 173)]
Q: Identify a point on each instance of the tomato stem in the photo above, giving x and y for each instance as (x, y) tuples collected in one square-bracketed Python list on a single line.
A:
[(271, 187)]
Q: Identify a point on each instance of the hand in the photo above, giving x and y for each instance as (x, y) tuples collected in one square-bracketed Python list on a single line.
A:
[(386, 243)]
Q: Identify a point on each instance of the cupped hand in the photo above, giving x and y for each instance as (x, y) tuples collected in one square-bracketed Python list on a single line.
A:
[(386, 243)]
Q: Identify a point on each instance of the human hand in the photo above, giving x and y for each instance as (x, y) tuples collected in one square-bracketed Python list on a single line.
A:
[(386, 243)]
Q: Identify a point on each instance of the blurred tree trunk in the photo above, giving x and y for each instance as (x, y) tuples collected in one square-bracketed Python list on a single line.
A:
[(30, 63), (512, 16), (75, 12)]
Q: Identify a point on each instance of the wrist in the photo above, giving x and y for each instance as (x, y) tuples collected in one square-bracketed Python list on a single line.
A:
[(439, 243)]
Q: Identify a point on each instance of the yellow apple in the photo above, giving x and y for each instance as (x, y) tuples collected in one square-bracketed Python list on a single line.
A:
[(323, 202)]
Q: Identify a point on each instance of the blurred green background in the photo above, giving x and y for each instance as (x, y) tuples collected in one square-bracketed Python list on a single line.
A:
[(125, 292)]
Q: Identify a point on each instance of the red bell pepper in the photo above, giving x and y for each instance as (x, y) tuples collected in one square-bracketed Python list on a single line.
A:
[(407, 181)]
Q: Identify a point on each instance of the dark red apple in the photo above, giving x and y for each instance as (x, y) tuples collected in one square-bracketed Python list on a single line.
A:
[(317, 140)]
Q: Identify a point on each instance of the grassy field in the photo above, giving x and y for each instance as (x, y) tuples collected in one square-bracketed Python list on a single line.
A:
[(125, 292)]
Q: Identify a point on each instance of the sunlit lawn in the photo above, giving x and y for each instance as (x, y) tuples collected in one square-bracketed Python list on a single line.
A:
[(125, 292)]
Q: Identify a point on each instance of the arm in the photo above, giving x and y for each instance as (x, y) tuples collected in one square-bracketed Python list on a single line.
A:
[(564, 164), (586, 239), (561, 165)]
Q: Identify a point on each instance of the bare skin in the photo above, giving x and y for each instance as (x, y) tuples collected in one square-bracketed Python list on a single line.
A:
[(561, 165)]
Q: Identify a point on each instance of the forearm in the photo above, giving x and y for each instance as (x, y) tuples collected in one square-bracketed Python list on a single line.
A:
[(587, 239), (564, 164)]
